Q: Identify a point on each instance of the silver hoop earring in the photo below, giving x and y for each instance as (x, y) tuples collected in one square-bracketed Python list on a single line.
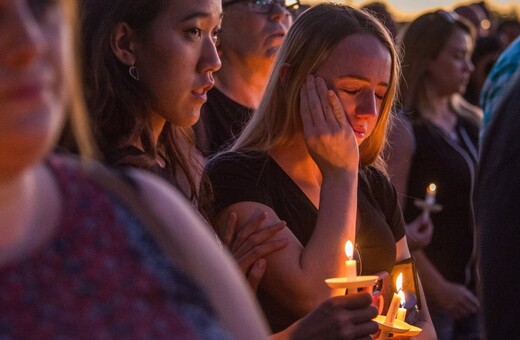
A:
[(134, 73)]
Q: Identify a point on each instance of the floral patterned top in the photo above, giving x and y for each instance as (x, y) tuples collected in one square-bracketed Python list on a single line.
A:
[(101, 276)]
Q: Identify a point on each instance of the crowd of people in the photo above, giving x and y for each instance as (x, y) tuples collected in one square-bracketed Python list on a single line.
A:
[(194, 169)]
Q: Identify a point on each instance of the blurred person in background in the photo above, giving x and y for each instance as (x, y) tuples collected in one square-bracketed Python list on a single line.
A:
[(252, 34), (436, 141)]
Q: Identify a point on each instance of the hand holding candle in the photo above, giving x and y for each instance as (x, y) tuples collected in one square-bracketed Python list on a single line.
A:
[(429, 203)]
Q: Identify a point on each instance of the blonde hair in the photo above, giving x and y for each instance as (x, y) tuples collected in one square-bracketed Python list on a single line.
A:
[(77, 134), (436, 28), (310, 40)]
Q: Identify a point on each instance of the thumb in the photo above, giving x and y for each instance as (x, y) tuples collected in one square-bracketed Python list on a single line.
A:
[(256, 273)]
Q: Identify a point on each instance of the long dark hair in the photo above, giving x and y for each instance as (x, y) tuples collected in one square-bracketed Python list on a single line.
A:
[(119, 106)]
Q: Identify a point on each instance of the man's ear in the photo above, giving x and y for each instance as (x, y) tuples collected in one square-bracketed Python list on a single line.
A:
[(284, 73), (122, 42)]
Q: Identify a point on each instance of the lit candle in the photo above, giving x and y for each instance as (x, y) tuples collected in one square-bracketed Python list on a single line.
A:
[(392, 313), (431, 191), (395, 303), (350, 263), (401, 312)]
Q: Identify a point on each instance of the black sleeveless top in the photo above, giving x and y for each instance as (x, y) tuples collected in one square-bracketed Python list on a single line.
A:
[(450, 163), (238, 177)]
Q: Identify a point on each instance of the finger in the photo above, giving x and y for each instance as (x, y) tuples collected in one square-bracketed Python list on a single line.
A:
[(315, 107), (337, 109), (360, 331), (260, 251), (351, 301), (305, 111), (256, 273), (251, 227), (326, 105), (363, 314), (260, 236), (229, 231)]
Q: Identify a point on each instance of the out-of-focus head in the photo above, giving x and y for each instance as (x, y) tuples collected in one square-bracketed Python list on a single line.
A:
[(37, 79), (381, 12), (477, 17), (437, 52), (170, 46), (321, 29), (508, 31), (254, 30)]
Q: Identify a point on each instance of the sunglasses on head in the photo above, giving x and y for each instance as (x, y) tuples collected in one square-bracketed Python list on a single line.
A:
[(450, 17), (266, 6)]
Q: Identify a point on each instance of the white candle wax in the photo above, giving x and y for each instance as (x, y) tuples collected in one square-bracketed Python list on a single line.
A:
[(392, 310), (350, 263), (401, 311), (431, 191)]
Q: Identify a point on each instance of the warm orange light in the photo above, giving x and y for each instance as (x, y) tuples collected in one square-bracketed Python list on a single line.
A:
[(432, 188), (349, 250), (399, 282)]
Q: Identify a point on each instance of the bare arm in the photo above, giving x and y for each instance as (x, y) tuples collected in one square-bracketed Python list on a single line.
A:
[(201, 258), (252, 244)]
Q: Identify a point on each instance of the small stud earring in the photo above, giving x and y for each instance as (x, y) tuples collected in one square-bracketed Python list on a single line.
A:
[(134, 73)]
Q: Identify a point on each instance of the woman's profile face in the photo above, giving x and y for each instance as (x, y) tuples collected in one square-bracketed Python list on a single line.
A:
[(176, 58), (34, 40), (358, 69), (450, 71)]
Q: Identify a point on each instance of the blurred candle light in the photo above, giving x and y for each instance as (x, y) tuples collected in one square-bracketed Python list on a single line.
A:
[(431, 191)]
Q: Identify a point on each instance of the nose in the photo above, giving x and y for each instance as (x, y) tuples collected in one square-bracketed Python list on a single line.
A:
[(210, 60), (366, 105), (470, 67), (278, 12), (25, 41)]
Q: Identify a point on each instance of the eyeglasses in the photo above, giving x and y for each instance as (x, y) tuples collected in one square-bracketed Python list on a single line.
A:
[(266, 6)]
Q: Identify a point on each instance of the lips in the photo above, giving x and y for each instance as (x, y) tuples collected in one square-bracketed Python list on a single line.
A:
[(201, 92), (359, 131), (29, 92)]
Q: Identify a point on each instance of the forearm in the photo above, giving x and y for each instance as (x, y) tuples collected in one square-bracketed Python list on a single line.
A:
[(425, 321), (324, 255), (432, 278)]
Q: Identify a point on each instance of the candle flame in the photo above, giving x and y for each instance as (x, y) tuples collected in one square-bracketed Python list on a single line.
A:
[(399, 282), (401, 295), (432, 188), (349, 250)]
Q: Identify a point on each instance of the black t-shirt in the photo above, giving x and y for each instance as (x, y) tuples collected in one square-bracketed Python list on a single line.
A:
[(221, 121), (238, 177)]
